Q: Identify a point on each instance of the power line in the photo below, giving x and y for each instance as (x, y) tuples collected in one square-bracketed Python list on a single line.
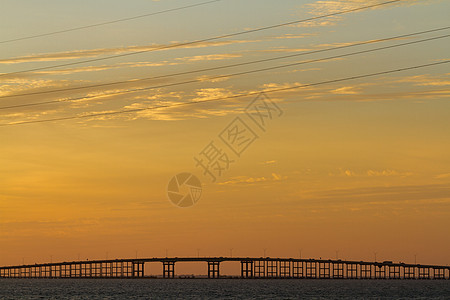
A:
[(227, 66), (108, 22), (228, 97), (227, 75), (207, 39)]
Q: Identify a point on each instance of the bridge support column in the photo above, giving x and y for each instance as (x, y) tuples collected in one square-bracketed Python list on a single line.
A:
[(380, 271), (365, 271), (438, 273), (247, 268), (77, 270), (424, 273), (56, 272), (272, 269), (311, 269), (213, 269), (138, 269), (352, 271), (409, 272), (285, 269), (116, 270), (338, 270), (47, 271), (297, 270), (82, 270), (168, 269), (394, 272), (260, 269), (119, 269), (324, 270), (65, 271), (109, 269)]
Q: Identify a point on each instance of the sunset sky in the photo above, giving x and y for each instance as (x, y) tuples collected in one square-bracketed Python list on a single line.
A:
[(356, 166)]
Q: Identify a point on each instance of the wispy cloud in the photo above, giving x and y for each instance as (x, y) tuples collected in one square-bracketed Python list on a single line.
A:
[(19, 85), (209, 57), (92, 53), (427, 80), (346, 90), (253, 180), (371, 173), (325, 7), (106, 67), (101, 99), (295, 36), (176, 61), (78, 54), (442, 176), (385, 194), (372, 197)]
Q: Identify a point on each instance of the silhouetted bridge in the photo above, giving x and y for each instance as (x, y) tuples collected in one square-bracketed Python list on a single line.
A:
[(250, 268)]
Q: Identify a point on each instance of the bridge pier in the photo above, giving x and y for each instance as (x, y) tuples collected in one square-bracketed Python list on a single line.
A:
[(272, 269), (94, 269), (246, 268), (424, 273), (65, 271), (324, 270), (311, 269), (394, 272), (260, 268), (285, 269), (438, 273), (138, 269), (380, 271), (297, 270), (352, 271), (168, 269), (77, 270), (213, 269), (409, 272), (365, 271), (108, 270), (338, 270)]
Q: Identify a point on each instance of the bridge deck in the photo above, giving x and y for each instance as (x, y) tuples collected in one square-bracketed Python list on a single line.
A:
[(251, 267)]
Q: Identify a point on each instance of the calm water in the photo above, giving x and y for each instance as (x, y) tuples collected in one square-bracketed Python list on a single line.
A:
[(223, 289)]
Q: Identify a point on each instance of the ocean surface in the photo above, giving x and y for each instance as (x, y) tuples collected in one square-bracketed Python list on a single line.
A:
[(221, 289)]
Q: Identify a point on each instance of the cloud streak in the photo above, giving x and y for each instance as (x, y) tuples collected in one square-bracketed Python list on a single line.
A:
[(78, 54), (325, 7), (240, 180)]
